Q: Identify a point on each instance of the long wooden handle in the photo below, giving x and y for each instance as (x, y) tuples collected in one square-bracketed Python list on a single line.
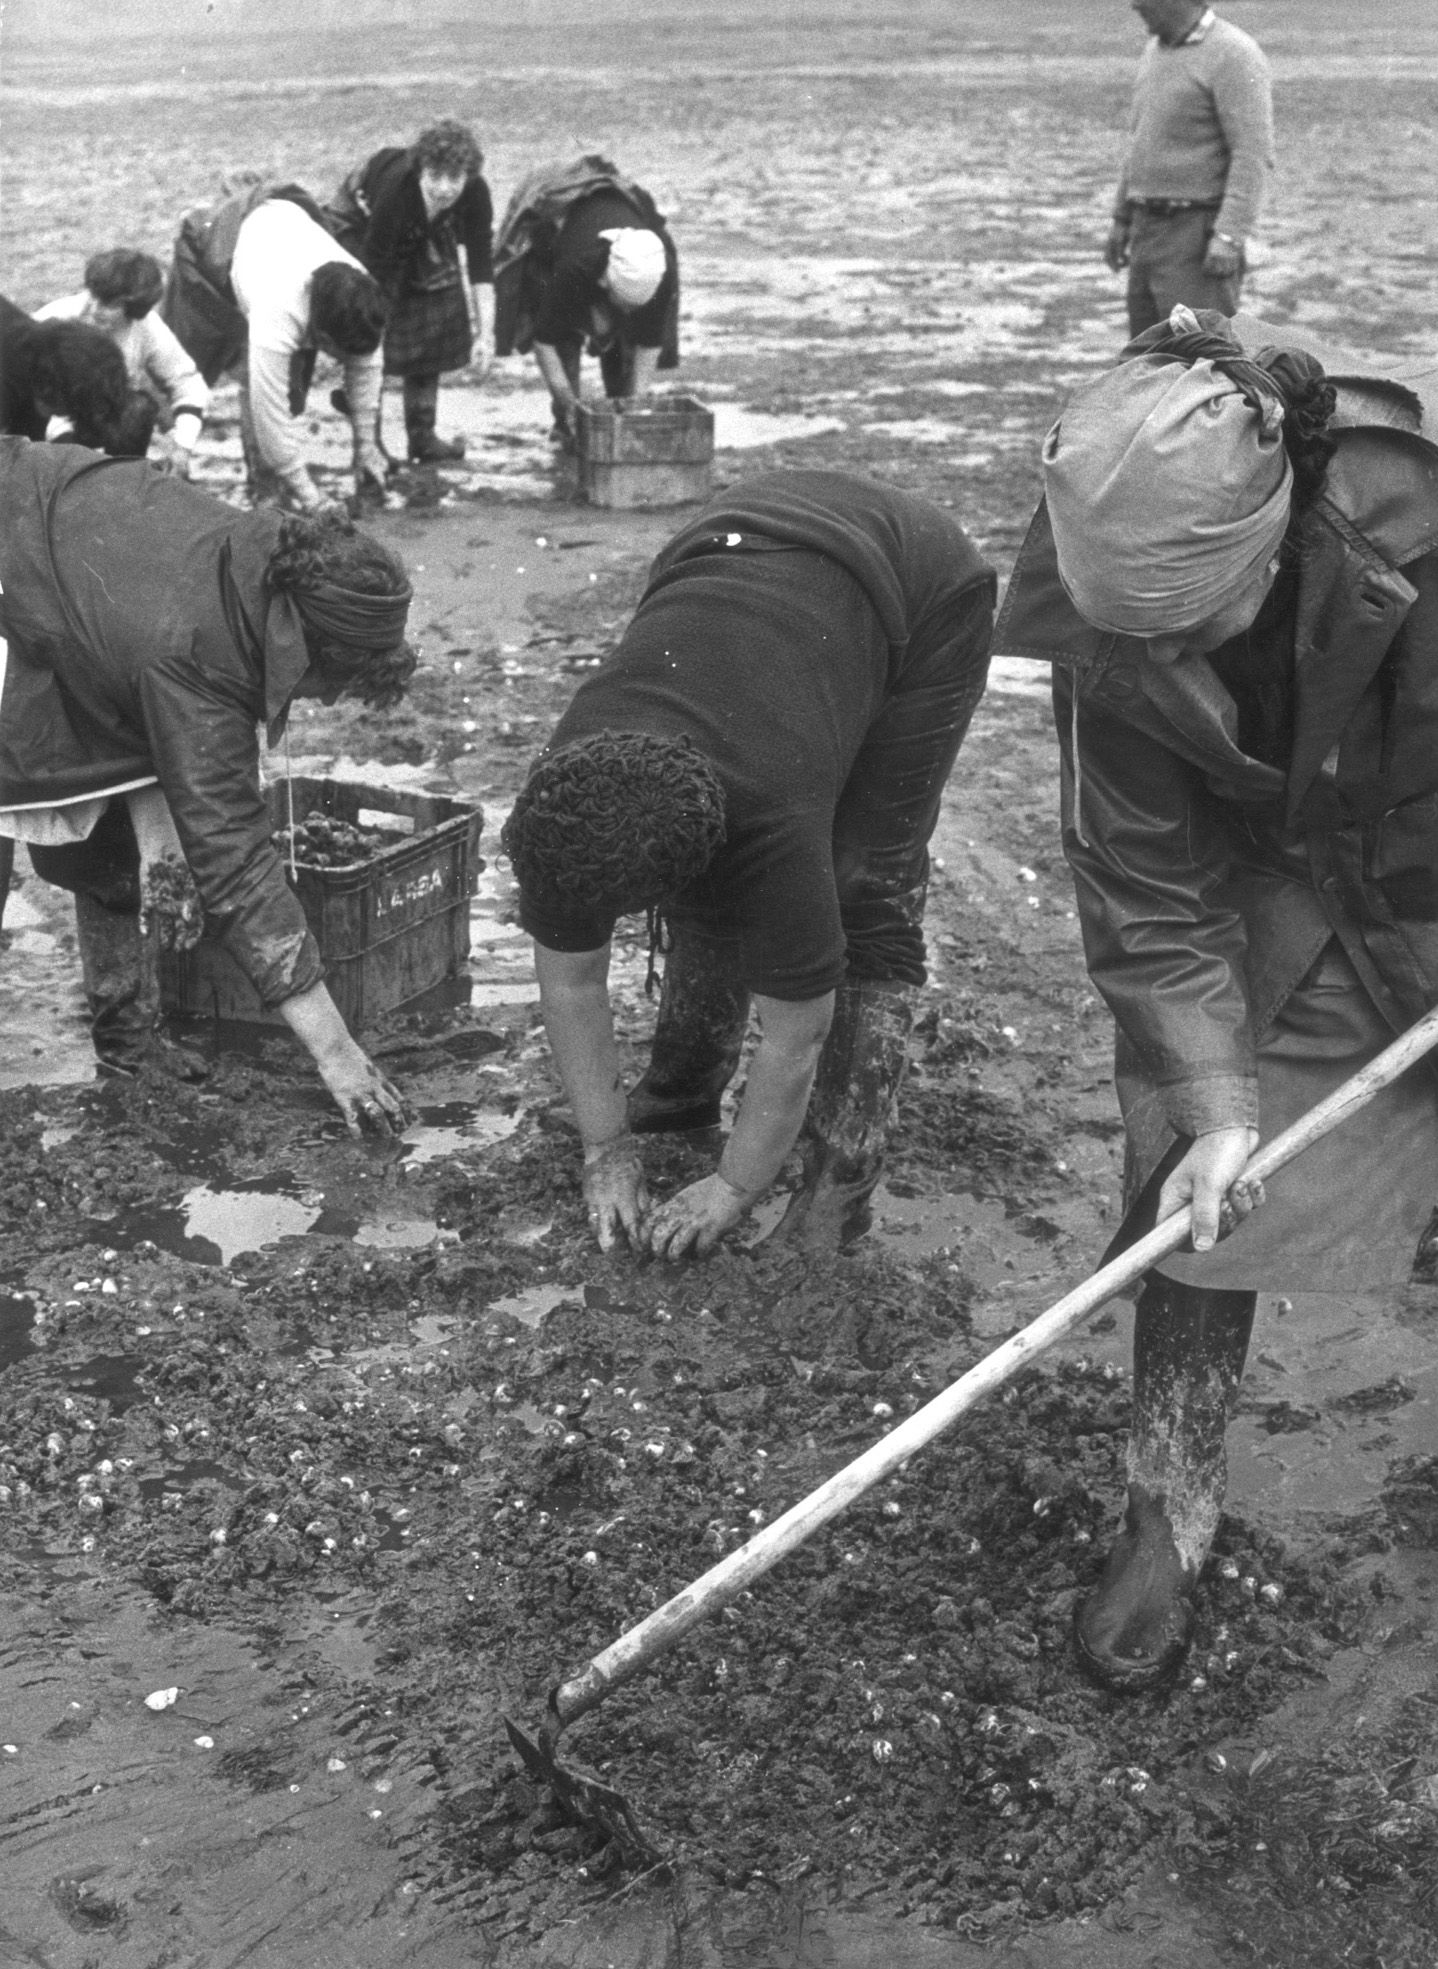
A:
[(652, 1637)]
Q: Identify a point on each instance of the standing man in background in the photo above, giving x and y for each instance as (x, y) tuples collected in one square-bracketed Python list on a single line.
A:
[(1199, 158)]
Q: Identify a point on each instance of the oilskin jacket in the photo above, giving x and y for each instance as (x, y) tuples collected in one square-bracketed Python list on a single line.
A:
[(142, 645), (1207, 880)]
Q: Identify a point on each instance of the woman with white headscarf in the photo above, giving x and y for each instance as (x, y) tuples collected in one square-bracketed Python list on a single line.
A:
[(1235, 575), (584, 261)]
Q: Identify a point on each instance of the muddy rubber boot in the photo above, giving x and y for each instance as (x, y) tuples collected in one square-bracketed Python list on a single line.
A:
[(1133, 1630), (697, 1040), (122, 987), (851, 1111), (421, 403)]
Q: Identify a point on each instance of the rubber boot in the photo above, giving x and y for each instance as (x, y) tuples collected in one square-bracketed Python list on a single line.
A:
[(122, 987), (851, 1111), (421, 402), (698, 1035), (1189, 1344)]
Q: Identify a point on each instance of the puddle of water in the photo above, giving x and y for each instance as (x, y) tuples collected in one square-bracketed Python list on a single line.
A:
[(452, 1127), (109, 1377), (534, 1305), (736, 429), (17, 1322), (433, 1329)]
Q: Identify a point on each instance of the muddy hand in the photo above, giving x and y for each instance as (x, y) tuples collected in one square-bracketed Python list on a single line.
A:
[(1208, 1178), (363, 1096), (697, 1218), (615, 1194)]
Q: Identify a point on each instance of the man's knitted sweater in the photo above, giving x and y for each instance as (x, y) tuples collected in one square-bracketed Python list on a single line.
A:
[(1202, 126)]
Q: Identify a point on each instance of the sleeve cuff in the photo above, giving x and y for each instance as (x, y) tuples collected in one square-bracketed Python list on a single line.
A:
[(1221, 1100)]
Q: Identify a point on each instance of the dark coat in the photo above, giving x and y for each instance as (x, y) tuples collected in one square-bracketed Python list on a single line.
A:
[(1208, 880), (378, 214), (143, 645), (60, 369), (530, 230)]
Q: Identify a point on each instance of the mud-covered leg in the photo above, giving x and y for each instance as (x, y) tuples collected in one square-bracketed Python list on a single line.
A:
[(1189, 1347), (703, 1012), (851, 1111)]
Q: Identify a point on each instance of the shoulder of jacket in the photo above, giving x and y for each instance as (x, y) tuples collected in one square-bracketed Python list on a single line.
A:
[(1384, 482)]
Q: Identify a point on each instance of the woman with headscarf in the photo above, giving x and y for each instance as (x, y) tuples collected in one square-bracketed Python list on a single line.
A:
[(1235, 575), (147, 631), (585, 261), (408, 213)]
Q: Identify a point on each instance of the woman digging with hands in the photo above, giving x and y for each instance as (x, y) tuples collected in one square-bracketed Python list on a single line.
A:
[(148, 631), (758, 766)]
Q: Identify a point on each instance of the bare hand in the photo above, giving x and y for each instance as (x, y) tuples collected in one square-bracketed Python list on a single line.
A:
[(1223, 258), (176, 462), (1208, 1179), (697, 1218), (362, 1094), (1115, 250), (615, 1192)]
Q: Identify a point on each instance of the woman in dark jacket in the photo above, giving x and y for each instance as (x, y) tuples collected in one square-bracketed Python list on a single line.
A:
[(1235, 575), (148, 630), (407, 214)]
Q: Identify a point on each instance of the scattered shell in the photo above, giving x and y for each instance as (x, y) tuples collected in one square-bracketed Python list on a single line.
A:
[(1215, 1760), (336, 1764), (881, 1750), (1272, 1593), (589, 1559), (1228, 1569), (1043, 1506), (882, 1409), (204, 1743), (219, 1536), (162, 1699), (892, 1510)]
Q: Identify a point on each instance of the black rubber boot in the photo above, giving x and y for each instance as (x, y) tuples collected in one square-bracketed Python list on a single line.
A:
[(698, 1036), (123, 989), (421, 404), (851, 1111), (1189, 1344)]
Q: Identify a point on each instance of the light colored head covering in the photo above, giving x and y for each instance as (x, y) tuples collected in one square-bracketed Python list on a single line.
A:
[(636, 264), (1167, 490)]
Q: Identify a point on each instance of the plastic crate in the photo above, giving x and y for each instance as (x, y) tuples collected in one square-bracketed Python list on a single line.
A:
[(658, 451), (388, 928)]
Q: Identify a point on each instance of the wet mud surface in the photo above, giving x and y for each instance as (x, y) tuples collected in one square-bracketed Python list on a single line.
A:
[(358, 1447)]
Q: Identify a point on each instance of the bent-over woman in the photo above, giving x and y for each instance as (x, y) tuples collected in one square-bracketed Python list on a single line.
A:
[(148, 630)]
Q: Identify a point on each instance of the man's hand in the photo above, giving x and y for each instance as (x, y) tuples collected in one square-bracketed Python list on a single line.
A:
[(1207, 1178), (697, 1218), (615, 1192), (1115, 248), (1224, 257)]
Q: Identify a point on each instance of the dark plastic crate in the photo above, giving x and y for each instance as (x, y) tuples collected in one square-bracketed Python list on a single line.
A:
[(659, 451), (388, 928)]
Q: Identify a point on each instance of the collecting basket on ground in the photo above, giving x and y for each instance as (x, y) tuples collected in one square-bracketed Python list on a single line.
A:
[(389, 927), (657, 451)]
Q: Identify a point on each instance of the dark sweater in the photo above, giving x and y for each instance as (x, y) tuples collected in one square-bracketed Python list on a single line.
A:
[(774, 627)]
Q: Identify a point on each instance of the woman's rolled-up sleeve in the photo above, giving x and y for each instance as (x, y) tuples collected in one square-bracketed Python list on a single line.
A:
[(205, 748)]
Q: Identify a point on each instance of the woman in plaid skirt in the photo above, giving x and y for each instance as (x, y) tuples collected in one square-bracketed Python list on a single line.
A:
[(406, 213)]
